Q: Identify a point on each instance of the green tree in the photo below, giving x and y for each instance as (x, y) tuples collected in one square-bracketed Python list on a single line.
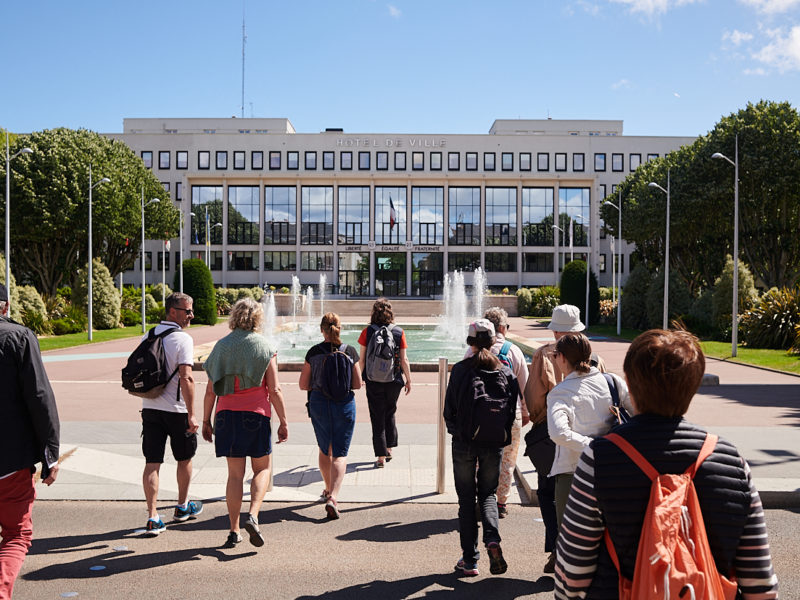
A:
[(50, 215), (702, 207), (106, 301), (13, 291), (573, 290), (634, 298), (197, 282)]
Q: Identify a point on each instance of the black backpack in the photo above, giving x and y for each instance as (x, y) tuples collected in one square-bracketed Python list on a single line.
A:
[(493, 408), (337, 375), (146, 374)]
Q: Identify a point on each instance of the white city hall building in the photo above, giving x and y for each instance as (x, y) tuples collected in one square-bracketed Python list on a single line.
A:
[(388, 214)]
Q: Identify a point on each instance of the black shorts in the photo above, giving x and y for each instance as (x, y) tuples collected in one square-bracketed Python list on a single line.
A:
[(157, 425)]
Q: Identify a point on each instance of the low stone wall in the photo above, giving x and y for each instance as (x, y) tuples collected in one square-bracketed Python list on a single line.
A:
[(403, 308)]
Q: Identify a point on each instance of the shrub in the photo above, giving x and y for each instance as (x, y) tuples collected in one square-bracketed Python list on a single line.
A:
[(608, 312), (680, 300), (132, 298), (130, 317), (606, 293), (772, 322), (699, 320), (160, 294), (57, 307), (13, 291), (544, 299), (722, 300), (105, 297), (197, 282), (155, 315), (283, 290), (796, 346), (573, 290), (30, 300), (65, 326), (65, 292), (524, 298), (223, 306), (258, 293), (242, 293), (634, 298)]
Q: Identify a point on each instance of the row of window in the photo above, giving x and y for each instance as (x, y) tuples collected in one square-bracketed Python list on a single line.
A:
[(358, 217), (496, 262), (364, 160)]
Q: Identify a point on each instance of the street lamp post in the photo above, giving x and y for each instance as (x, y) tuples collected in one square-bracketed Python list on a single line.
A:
[(653, 184), (588, 253), (153, 201), (735, 316), (8, 213), (557, 252), (208, 241), (89, 283), (618, 206)]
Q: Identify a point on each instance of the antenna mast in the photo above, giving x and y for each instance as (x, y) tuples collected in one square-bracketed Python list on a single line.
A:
[(244, 41)]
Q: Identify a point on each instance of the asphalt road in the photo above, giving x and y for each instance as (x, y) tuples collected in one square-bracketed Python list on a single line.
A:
[(383, 552)]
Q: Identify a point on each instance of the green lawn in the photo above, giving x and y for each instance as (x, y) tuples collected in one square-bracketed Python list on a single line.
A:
[(56, 342)]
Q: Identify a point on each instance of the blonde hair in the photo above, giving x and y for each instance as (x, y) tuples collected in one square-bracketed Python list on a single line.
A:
[(246, 314), (332, 326)]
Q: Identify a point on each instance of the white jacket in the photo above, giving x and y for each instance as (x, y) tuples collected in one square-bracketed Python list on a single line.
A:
[(577, 412)]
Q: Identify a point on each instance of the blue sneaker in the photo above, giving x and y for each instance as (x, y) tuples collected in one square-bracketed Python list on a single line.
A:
[(193, 508), (468, 569), (154, 527)]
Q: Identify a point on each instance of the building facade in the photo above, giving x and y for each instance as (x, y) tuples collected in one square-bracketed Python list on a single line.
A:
[(388, 214)]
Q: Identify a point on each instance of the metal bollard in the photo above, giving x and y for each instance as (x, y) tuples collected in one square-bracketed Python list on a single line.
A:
[(440, 442)]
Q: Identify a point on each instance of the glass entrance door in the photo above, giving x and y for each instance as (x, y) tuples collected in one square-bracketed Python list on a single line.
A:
[(390, 273)]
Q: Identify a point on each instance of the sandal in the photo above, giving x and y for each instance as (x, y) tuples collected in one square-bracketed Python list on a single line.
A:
[(379, 464), (323, 497), (389, 454)]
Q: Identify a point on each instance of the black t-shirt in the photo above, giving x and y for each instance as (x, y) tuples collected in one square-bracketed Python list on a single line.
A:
[(327, 348)]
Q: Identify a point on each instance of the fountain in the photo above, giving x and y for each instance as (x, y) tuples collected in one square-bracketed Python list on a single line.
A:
[(323, 281), (295, 296), (270, 316)]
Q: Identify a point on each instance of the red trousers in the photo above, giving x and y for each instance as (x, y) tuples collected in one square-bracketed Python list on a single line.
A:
[(17, 493)]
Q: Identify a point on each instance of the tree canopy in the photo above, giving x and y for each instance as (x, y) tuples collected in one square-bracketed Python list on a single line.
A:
[(50, 205), (702, 205)]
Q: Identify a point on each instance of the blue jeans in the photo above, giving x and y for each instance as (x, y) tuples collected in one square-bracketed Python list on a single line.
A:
[(472, 486)]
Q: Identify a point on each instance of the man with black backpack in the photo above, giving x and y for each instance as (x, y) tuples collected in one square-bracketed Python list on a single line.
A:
[(479, 410), (171, 414)]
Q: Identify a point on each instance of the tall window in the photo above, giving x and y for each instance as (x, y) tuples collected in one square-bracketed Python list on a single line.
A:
[(363, 161), (346, 160), (280, 215), (542, 161), (472, 161), (257, 160), (561, 161), (239, 161), (390, 225), (316, 215), (507, 161), (182, 159), (293, 160), (382, 161), (316, 261), (578, 161), (635, 160), (537, 216), (427, 273), (436, 161), (354, 273), (453, 161), (417, 161), (617, 162), (328, 160), (427, 215), (353, 215), (574, 203), (600, 161), (203, 159), (488, 161), (524, 161), (311, 161), (243, 215), (274, 160), (464, 216), (222, 159), (501, 216), (206, 198), (147, 158), (399, 161), (163, 159)]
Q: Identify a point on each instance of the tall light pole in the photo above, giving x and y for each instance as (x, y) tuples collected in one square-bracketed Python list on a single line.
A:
[(653, 184), (180, 243), (735, 316), (618, 206), (8, 214), (557, 252), (89, 286), (153, 201), (588, 253)]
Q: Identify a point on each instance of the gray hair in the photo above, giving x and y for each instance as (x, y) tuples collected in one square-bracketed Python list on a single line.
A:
[(174, 298), (246, 314), (498, 316)]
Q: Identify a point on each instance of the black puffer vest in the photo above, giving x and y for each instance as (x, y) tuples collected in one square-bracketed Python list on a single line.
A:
[(623, 492)]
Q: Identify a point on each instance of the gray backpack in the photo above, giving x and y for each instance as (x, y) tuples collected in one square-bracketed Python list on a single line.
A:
[(381, 354)]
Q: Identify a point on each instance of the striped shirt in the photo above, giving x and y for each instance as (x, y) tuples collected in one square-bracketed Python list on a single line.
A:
[(581, 534)]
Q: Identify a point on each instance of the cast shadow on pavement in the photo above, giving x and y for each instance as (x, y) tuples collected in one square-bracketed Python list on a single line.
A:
[(401, 532), (497, 588)]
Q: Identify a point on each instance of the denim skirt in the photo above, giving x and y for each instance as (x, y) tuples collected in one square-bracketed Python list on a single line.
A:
[(333, 422), (239, 434)]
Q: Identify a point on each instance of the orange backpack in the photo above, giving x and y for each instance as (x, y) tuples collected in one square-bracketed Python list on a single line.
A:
[(673, 560)]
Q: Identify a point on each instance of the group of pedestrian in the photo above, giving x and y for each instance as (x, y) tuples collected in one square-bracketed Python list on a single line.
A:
[(592, 497)]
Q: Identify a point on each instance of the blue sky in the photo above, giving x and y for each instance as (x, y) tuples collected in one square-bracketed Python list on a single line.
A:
[(665, 67)]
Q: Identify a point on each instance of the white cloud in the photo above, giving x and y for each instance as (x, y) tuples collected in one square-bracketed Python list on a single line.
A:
[(757, 71), (590, 7), (394, 12), (676, 94), (736, 37), (621, 84), (651, 8), (772, 7), (783, 52)]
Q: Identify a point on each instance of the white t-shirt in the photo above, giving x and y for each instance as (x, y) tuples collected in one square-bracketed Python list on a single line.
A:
[(179, 348)]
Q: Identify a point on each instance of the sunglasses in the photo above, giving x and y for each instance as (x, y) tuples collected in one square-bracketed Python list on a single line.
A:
[(188, 311)]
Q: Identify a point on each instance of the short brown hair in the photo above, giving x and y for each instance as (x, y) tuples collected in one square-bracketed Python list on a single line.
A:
[(382, 312), (664, 370), (246, 314), (576, 350)]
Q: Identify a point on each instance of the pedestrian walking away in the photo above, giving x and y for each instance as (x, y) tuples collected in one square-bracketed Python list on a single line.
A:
[(243, 382), (330, 373), (30, 425), (386, 371), (479, 411), (714, 544), (171, 415), (511, 356)]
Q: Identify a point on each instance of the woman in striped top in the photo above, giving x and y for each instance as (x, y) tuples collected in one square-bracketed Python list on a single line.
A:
[(663, 370)]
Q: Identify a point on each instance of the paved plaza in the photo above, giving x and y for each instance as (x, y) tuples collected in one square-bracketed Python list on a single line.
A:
[(758, 410)]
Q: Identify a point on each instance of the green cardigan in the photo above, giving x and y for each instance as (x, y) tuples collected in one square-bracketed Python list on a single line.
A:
[(242, 354)]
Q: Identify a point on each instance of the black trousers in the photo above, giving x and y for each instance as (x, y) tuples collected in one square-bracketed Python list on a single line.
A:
[(382, 402)]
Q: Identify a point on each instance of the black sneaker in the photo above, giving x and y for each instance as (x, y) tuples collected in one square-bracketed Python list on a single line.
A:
[(193, 508), (233, 539), (550, 565), (502, 510), (497, 564), (154, 527), (251, 525)]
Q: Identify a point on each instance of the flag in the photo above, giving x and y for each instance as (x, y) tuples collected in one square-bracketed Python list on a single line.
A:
[(166, 245), (612, 244), (571, 233), (208, 233), (392, 214), (196, 238)]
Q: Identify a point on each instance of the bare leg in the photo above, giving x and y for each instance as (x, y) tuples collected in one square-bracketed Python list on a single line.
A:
[(258, 485), (184, 477), (338, 469), (150, 484), (325, 469), (233, 490)]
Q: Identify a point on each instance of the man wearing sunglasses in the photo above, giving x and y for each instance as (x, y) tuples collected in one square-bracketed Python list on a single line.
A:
[(172, 415)]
